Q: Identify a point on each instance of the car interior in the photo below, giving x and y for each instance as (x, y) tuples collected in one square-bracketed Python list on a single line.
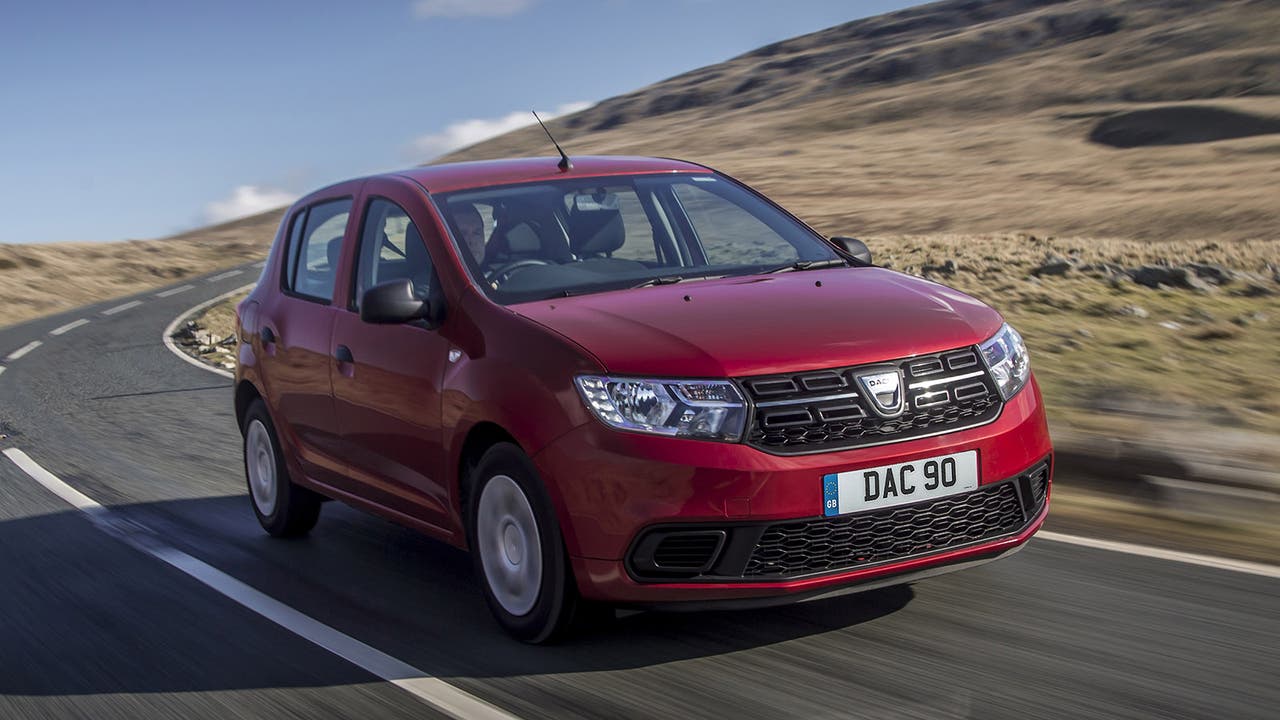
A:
[(560, 239)]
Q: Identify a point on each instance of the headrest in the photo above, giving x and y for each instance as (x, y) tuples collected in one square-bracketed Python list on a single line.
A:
[(596, 232), (412, 239), (334, 252), (522, 239)]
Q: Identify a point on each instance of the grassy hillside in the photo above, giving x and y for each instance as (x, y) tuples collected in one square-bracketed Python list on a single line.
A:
[(48, 278), (984, 117), (1037, 154), (1049, 157)]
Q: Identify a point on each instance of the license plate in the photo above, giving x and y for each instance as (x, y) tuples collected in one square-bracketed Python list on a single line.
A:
[(899, 484)]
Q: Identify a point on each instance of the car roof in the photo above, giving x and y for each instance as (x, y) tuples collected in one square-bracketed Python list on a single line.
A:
[(466, 175)]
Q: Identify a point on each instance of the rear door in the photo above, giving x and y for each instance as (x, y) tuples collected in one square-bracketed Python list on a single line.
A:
[(295, 330), (387, 391)]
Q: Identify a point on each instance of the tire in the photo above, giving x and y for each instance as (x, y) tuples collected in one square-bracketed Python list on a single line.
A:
[(517, 550), (284, 509)]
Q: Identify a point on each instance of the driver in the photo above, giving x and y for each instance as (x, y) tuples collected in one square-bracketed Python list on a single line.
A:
[(466, 218)]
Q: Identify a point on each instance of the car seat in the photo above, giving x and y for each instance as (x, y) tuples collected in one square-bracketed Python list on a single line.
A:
[(594, 235), (520, 232)]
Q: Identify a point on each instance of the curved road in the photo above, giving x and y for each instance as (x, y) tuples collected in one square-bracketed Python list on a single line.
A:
[(96, 622)]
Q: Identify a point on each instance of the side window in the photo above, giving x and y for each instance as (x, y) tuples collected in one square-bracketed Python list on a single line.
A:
[(728, 233), (391, 249), (315, 245)]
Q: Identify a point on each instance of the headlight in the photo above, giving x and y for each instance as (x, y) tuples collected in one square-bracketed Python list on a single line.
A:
[(1007, 359), (704, 409)]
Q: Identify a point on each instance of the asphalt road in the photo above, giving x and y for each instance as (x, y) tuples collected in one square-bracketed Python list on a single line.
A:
[(90, 626)]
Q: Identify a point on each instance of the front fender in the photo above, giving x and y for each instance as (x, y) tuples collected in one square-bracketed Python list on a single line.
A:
[(516, 375)]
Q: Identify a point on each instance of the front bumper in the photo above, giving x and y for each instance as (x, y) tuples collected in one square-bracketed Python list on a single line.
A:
[(611, 487)]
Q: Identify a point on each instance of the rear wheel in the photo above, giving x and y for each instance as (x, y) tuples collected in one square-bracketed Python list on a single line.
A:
[(284, 509), (517, 550)]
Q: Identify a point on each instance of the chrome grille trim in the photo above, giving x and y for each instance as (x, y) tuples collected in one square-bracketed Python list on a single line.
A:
[(821, 398), (943, 381), (792, 422)]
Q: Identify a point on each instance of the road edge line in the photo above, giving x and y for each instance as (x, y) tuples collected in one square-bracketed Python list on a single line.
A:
[(167, 337), (431, 690), (1220, 563)]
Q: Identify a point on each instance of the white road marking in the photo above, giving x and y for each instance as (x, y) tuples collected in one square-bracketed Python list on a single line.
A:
[(260, 264), (167, 337), (224, 276), (23, 351), (53, 483), (1221, 563), (1, 369), (121, 308), (433, 691), (174, 291), (69, 327)]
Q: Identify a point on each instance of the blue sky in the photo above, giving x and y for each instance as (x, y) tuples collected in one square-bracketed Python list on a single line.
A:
[(139, 119)]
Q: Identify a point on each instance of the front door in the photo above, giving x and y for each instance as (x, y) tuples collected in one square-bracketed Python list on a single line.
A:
[(386, 385)]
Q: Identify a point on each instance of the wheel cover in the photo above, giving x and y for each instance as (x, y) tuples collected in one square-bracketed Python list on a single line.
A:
[(260, 461), (509, 545)]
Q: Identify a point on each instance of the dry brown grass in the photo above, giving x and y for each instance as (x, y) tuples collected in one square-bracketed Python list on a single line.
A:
[(45, 279), (1100, 346), (975, 118), (1085, 512), (953, 131), (962, 131)]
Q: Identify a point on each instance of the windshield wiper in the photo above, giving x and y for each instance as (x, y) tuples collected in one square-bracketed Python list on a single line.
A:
[(572, 292), (669, 280), (807, 265)]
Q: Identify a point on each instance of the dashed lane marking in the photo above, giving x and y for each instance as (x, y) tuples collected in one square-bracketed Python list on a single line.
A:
[(431, 690), (224, 276), (174, 291), (23, 351), (69, 327), (121, 308)]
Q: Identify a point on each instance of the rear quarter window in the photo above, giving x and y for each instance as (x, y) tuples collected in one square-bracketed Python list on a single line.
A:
[(315, 245)]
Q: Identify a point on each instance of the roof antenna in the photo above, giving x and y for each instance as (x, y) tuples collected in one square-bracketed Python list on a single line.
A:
[(564, 165)]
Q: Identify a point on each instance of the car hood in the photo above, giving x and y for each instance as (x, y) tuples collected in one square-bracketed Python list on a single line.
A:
[(762, 324)]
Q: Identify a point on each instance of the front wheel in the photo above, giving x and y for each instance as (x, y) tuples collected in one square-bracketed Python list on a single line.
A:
[(283, 508), (517, 549)]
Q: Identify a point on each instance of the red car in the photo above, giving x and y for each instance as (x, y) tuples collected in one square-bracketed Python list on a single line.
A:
[(630, 381)]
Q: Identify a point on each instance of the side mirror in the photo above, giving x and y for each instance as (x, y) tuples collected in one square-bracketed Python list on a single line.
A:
[(854, 247), (392, 303)]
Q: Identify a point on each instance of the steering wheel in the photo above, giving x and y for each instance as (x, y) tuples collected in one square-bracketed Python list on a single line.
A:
[(503, 272)]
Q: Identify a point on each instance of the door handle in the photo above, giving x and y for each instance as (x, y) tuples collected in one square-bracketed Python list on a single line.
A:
[(343, 354), (267, 335)]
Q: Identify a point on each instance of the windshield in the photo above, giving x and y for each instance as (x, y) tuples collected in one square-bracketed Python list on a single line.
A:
[(577, 236)]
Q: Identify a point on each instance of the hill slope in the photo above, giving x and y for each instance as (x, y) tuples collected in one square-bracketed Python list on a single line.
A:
[(1069, 118), (46, 278), (970, 116)]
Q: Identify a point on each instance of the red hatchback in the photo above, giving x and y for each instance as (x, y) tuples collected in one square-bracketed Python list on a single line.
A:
[(630, 381)]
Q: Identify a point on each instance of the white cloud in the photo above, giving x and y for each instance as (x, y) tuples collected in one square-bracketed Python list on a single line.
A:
[(468, 8), (470, 132), (246, 200)]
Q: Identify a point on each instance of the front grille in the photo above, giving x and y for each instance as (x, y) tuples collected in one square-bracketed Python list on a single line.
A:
[(824, 410), (754, 551), (839, 543), (842, 543)]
